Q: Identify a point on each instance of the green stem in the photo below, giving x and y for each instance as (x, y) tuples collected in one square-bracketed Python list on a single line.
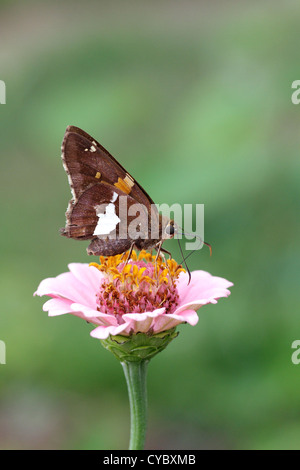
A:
[(136, 373)]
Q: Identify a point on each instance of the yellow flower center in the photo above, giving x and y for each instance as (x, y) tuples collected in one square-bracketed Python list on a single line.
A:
[(142, 284)]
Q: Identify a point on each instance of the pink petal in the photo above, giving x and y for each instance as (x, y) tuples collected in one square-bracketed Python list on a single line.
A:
[(158, 320), (57, 306), (142, 321), (90, 276), (103, 332), (170, 320), (89, 313), (203, 289), (77, 285)]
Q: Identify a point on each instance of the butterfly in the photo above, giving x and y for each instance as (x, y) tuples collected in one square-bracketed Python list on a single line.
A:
[(108, 206)]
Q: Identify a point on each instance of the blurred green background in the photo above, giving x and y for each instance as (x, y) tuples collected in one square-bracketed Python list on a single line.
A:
[(194, 99)]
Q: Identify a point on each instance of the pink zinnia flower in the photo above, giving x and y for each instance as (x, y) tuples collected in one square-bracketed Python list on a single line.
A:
[(141, 296)]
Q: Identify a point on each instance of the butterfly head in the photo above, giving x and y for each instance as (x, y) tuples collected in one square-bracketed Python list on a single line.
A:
[(169, 228)]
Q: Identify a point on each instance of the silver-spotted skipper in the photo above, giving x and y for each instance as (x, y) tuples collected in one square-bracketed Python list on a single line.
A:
[(108, 206)]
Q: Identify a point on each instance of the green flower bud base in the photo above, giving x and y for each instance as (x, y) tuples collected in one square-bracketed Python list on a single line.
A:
[(139, 346)]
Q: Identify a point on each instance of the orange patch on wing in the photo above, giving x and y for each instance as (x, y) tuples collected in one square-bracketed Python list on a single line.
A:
[(125, 185)]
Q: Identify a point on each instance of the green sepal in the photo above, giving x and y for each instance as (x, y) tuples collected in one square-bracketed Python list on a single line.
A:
[(140, 346)]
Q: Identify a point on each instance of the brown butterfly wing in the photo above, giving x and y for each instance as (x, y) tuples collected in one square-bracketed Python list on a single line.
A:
[(95, 178), (82, 216), (87, 163)]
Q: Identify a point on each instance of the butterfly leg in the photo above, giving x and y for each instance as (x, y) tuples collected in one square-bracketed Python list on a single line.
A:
[(160, 252), (167, 252), (129, 254), (158, 249)]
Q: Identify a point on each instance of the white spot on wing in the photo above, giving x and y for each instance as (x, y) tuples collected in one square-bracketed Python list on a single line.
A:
[(107, 222), (114, 197), (93, 148)]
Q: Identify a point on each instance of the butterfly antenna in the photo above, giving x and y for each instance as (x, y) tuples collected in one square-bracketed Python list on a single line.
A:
[(201, 241), (198, 238), (210, 248), (184, 261)]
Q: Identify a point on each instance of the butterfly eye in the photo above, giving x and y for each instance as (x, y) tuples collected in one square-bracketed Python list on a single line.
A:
[(170, 229)]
